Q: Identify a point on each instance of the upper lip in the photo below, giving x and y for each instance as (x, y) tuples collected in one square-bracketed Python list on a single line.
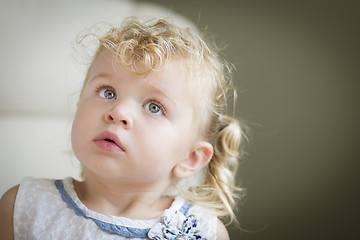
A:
[(109, 136)]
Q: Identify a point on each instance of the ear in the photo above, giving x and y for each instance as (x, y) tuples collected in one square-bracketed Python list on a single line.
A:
[(196, 160)]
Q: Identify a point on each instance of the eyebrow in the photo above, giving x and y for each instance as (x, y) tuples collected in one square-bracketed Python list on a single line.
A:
[(101, 75), (162, 93)]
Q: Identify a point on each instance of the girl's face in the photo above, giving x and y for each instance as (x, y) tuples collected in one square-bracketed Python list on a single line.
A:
[(132, 128)]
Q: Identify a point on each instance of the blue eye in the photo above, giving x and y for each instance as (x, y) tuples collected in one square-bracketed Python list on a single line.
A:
[(107, 93), (154, 108)]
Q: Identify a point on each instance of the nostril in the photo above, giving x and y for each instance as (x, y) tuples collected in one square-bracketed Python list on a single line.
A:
[(114, 118)]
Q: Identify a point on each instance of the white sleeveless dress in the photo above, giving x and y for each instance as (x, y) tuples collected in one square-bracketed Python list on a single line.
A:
[(50, 209)]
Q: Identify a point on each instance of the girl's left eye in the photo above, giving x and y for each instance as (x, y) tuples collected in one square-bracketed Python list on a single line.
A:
[(155, 108), (107, 93)]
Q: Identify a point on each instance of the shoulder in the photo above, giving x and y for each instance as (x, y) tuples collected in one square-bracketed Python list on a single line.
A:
[(7, 203), (221, 231), (35, 187), (209, 225), (34, 192)]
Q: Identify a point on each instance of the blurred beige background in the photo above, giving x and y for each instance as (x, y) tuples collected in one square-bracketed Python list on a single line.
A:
[(298, 82)]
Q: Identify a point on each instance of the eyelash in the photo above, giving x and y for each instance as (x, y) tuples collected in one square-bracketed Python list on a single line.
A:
[(163, 110), (103, 86)]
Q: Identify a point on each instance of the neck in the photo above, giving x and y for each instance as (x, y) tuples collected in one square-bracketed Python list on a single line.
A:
[(111, 197)]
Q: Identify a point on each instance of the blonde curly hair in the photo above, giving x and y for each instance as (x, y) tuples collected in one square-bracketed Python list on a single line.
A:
[(151, 44)]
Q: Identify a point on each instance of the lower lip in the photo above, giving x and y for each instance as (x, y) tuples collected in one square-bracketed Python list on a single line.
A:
[(108, 146)]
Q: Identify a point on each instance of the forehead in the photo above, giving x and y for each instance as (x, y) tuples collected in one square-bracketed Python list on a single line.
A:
[(106, 62)]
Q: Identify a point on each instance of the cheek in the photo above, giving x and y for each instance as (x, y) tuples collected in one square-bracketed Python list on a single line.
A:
[(171, 145), (75, 135), (83, 119), (78, 132)]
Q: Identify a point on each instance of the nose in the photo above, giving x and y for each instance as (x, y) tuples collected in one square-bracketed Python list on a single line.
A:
[(119, 115)]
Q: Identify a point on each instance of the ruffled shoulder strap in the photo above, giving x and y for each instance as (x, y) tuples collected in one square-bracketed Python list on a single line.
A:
[(189, 222)]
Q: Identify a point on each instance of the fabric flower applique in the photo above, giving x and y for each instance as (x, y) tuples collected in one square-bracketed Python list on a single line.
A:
[(176, 226)]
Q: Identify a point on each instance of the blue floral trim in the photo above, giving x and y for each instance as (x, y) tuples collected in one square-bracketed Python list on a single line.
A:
[(185, 208), (112, 228), (177, 226)]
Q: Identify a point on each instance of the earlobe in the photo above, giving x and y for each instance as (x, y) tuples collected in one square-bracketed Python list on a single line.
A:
[(196, 160)]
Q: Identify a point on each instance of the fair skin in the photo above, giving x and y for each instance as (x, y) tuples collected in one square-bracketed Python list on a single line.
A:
[(133, 135), (150, 119)]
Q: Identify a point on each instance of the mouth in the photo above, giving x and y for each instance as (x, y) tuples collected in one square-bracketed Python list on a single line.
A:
[(109, 142)]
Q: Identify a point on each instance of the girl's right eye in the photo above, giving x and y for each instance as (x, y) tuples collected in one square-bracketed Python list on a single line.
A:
[(107, 93)]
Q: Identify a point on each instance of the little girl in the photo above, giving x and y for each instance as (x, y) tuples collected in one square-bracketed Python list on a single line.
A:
[(159, 158)]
